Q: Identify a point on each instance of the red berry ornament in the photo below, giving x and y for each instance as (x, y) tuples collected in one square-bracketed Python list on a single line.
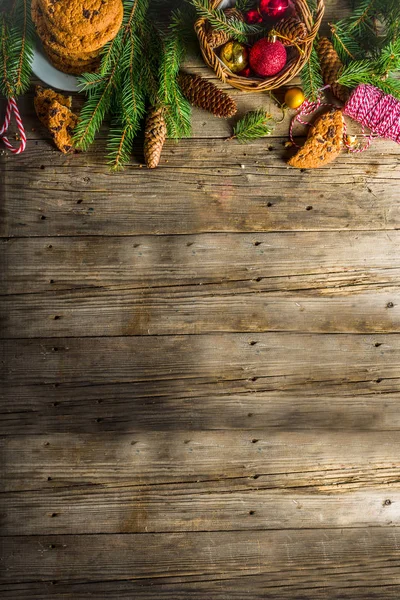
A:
[(273, 8), (267, 58), (253, 16), (245, 73)]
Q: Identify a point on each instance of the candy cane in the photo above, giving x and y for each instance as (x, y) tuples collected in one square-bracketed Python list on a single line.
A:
[(13, 108)]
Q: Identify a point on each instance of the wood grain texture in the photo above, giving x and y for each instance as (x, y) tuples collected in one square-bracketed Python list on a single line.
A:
[(295, 560), (253, 587), (277, 459), (272, 381), (201, 284), (224, 505), (202, 185), (200, 369)]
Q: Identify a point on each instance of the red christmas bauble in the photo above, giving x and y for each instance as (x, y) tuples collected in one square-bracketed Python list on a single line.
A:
[(253, 16), (267, 58), (246, 72), (274, 8)]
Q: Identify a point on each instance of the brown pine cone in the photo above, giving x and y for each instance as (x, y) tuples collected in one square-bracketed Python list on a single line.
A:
[(294, 30), (216, 37), (202, 93), (331, 66), (154, 136)]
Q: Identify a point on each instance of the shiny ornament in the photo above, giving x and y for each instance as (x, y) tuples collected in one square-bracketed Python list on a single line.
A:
[(246, 72), (235, 56), (253, 16), (274, 9), (294, 97), (267, 58)]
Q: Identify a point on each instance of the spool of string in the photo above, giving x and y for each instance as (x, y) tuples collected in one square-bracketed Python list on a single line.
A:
[(368, 105), (376, 110)]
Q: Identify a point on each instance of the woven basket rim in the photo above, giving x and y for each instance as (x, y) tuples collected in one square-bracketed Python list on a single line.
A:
[(292, 68)]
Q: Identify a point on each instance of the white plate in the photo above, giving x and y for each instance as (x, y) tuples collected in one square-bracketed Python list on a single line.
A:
[(44, 70)]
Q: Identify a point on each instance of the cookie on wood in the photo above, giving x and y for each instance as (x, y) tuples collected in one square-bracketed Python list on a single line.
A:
[(61, 124), (54, 111), (43, 99), (323, 144)]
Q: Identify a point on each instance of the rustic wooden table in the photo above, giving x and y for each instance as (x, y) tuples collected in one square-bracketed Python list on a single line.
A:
[(201, 371)]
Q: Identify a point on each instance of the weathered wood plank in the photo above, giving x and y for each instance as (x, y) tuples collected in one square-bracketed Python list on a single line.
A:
[(118, 312), (220, 506), (204, 186), (272, 459), (79, 408), (296, 560), (222, 588), (200, 284), (264, 362), (285, 260), (286, 360), (192, 382)]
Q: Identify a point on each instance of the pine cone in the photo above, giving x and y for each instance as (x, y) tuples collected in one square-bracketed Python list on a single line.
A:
[(293, 29), (202, 93), (330, 67), (154, 137), (216, 37)]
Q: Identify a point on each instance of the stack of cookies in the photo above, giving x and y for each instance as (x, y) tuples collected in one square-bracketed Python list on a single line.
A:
[(73, 32)]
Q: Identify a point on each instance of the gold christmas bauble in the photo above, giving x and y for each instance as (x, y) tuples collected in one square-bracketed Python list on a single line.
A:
[(235, 56), (294, 97)]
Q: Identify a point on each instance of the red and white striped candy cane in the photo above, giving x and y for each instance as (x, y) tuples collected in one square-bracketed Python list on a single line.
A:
[(13, 108)]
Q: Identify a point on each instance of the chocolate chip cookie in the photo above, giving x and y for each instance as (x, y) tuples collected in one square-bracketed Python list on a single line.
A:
[(82, 17), (323, 144)]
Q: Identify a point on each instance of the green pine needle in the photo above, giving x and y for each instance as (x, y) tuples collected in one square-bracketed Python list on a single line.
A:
[(16, 49), (254, 125), (345, 45), (177, 109), (116, 88), (235, 28), (311, 77)]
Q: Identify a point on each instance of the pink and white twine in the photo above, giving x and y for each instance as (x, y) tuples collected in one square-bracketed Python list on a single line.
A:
[(10, 109), (367, 105)]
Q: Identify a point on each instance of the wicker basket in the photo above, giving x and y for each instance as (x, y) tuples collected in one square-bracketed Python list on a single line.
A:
[(293, 66)]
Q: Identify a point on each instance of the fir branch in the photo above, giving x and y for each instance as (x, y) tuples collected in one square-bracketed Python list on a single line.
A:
[(312, 5), (389, 85), (177, 109), (119, 147), (361, 16), (345, 45), (311, 77), (130, 96), (101, 88), (365, 71), (16, 50), (388, 59), (242, 5), (93, 114), (235, 28), (254, 125), (356, 72), (5, 84)]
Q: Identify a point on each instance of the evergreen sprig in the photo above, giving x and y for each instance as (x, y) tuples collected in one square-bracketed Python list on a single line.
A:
[(311, 77), (236, 29), (345, 44), (177, 110), (117, 88), (368, 43), (254, 125), (16, 49), (367, 71), (138, 69)]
